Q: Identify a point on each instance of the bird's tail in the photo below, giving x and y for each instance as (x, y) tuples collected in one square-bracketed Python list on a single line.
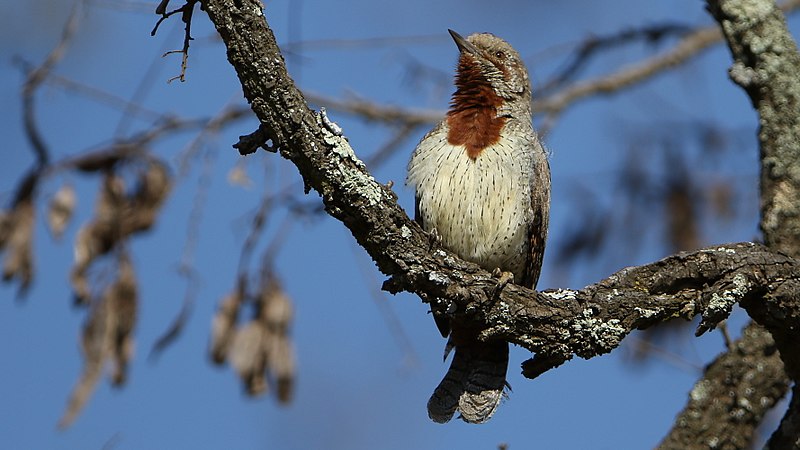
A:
[(474, 383)]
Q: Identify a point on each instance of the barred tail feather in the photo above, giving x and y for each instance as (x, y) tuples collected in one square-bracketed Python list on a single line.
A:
[(473, 385)]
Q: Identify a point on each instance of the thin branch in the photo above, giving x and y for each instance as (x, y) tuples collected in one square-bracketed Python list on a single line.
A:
[(186, 10), (257, 225), (373, 111), (328, 44), (102, 96), (36, 77), (690, 46), (393, 323), (186, 267), (395, 142), (592, 46)]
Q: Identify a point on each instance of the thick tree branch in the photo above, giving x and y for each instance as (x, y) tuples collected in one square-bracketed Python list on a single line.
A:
[(727, 405), (766, 64)]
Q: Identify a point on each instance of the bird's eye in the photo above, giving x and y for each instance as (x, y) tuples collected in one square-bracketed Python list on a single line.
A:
[(500, 54)]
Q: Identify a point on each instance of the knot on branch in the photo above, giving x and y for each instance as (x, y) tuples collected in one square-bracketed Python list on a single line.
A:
[(250, 143)]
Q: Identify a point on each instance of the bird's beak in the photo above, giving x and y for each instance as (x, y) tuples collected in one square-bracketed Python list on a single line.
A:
[(463, 44)]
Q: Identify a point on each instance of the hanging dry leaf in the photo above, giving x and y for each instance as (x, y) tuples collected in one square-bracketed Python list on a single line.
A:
[(223, 326), (6, 225), (107, 334), (248, 356), (123, 297), (154, 184), (117, 216), (277, 313), (260, 351), (84, 251), (276, 308), (281, 362), (276, 316), (61, 207), (142, 210)]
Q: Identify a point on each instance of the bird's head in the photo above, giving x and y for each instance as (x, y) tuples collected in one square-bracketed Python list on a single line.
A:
[(488, 61)]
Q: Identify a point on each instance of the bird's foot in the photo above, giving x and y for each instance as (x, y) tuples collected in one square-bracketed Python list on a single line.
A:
[(434, 238), (503, 278)]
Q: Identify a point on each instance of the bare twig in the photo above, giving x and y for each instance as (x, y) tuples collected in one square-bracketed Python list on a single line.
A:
[(373, 111), (186, 267), (186, 10), (37, 76), (393, 324), (327, 44), (103, 96), (691, 45), (594, 44)]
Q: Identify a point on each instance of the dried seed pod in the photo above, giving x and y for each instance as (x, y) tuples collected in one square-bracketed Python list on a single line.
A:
[(106, 334), (19, 258), (95, 346), (123, 299), (6, 226), (155, 184), (276, 308), (61, 207), (248, 356), (223, 326), (281, 363), (276, 316)]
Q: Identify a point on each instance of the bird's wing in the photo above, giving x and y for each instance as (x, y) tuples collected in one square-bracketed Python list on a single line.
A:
[(540, 217)]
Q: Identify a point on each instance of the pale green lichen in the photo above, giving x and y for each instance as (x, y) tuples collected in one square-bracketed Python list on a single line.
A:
[(438, 278), (561, 294), (700, 391), (722, 302), (645, 313), (595, 336), (358, 181)]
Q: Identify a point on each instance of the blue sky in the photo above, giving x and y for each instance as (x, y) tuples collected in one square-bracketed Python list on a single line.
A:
[(357, 386)]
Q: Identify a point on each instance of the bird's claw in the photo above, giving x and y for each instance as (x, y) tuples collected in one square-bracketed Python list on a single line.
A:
[(434, 238), (503, 279)]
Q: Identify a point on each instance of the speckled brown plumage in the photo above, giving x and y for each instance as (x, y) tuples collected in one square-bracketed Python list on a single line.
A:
[(482, 182)]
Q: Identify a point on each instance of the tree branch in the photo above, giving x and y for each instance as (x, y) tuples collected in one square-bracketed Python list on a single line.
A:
[(735, 393), (766, 63)]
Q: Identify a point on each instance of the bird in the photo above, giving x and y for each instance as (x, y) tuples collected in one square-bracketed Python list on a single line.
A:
[(482, 189)]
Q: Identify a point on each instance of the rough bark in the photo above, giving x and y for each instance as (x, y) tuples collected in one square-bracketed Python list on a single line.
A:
[(556, 324), (765, 65), (728, 403)]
